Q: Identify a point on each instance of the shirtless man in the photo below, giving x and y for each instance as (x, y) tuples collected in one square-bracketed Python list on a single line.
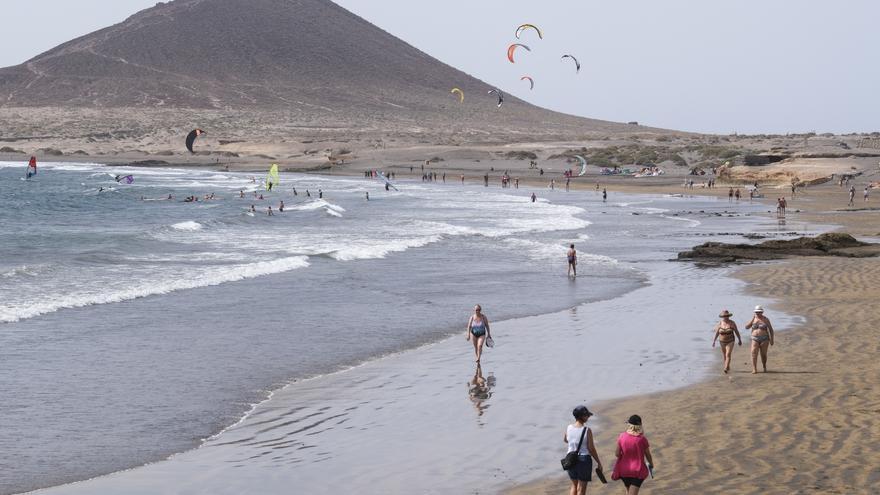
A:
[(572, 261)]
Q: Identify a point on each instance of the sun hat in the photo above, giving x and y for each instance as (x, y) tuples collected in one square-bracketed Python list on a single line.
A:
[(635, 420), (725, 313), (581, 412), (759, 309)]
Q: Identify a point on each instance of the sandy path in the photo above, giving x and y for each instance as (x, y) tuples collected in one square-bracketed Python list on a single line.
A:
[(810, 425)]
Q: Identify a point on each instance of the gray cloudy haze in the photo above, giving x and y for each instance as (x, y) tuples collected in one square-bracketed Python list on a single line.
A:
[(750, 66)]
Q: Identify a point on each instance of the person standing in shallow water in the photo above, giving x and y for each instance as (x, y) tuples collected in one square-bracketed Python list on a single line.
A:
[(572, 261), (762, 338), (725, 331), (632, 451), (582, 472), (478, 331)]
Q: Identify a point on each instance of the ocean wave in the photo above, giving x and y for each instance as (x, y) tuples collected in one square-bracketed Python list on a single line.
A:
[(189, 226), (366, 250), (24, 270), (145, 288), (691, 222)]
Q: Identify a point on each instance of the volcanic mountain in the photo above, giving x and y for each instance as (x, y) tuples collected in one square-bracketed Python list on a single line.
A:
[(308, 57)]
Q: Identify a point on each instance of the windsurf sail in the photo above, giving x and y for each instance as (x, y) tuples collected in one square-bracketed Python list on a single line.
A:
[(583, 164), (385, 179), (273, 179), (125, 179), (32, 167)]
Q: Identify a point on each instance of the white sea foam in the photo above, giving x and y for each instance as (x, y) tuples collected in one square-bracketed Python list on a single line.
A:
[(691, 222), (145, 288), (189, 226)]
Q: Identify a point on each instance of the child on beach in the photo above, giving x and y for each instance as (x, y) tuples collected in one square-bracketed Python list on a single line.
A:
[(579, 439), (726, 330), (632, 451)]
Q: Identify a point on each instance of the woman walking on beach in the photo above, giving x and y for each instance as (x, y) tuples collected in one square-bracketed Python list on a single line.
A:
[(762, 338), (572, 261), (632, 451), (478, 330), (579, 439), (725, 331)]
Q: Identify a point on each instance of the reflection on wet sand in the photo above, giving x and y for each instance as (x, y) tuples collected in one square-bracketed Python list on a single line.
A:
[(480, 390)]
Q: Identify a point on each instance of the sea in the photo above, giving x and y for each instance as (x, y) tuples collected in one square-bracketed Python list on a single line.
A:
[(137, 328)]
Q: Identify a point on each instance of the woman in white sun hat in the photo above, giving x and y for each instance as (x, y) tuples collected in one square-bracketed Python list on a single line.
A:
[(762, 337)]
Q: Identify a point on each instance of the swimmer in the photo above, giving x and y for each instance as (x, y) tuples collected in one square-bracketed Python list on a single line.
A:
[(294, 192), (281, 207), (269, 211)]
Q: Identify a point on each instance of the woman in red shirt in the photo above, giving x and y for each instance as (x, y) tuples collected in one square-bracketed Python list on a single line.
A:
[(632, 451)]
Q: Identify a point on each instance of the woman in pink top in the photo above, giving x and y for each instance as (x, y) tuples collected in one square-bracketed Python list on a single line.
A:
[(632, 450)]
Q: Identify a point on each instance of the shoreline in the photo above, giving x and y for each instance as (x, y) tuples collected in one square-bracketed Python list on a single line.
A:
[(389, 381), (738, 353), (803, 426), (663, 263)]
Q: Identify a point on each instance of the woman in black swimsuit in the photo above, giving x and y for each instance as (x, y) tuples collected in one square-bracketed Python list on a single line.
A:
[(725, 331)]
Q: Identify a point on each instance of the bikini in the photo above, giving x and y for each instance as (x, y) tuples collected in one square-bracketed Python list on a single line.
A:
[(726, 332), (760, 338), (478, 329)]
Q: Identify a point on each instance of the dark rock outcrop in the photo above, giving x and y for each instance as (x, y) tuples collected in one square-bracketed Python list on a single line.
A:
[(823, 245)]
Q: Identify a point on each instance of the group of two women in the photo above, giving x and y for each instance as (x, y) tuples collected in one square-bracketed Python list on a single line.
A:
[(632, 453), (726, 333)]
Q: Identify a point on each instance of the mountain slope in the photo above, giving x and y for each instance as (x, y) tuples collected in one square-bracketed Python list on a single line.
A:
[(305, 56)]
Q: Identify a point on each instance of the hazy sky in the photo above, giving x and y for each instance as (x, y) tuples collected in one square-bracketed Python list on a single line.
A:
[(745, 66)]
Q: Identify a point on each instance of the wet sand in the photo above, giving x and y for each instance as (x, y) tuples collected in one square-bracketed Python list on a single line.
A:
[(810, 425), (426, 421)]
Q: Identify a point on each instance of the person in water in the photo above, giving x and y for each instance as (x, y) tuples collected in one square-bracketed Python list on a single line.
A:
[(308, 194), (269, 211), (368, 195), (572, 261), (294, 192), (762, 338), (281, 207), (478, 331), (725, 331), (604, 195), (534, 198), (580, 438), (320, 194), (253, 209), (632, 451)]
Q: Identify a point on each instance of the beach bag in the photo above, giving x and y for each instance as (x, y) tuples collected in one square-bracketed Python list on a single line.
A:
[(571, 458)]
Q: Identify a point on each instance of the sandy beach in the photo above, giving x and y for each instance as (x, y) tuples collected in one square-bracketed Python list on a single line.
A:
[(810, 425)]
